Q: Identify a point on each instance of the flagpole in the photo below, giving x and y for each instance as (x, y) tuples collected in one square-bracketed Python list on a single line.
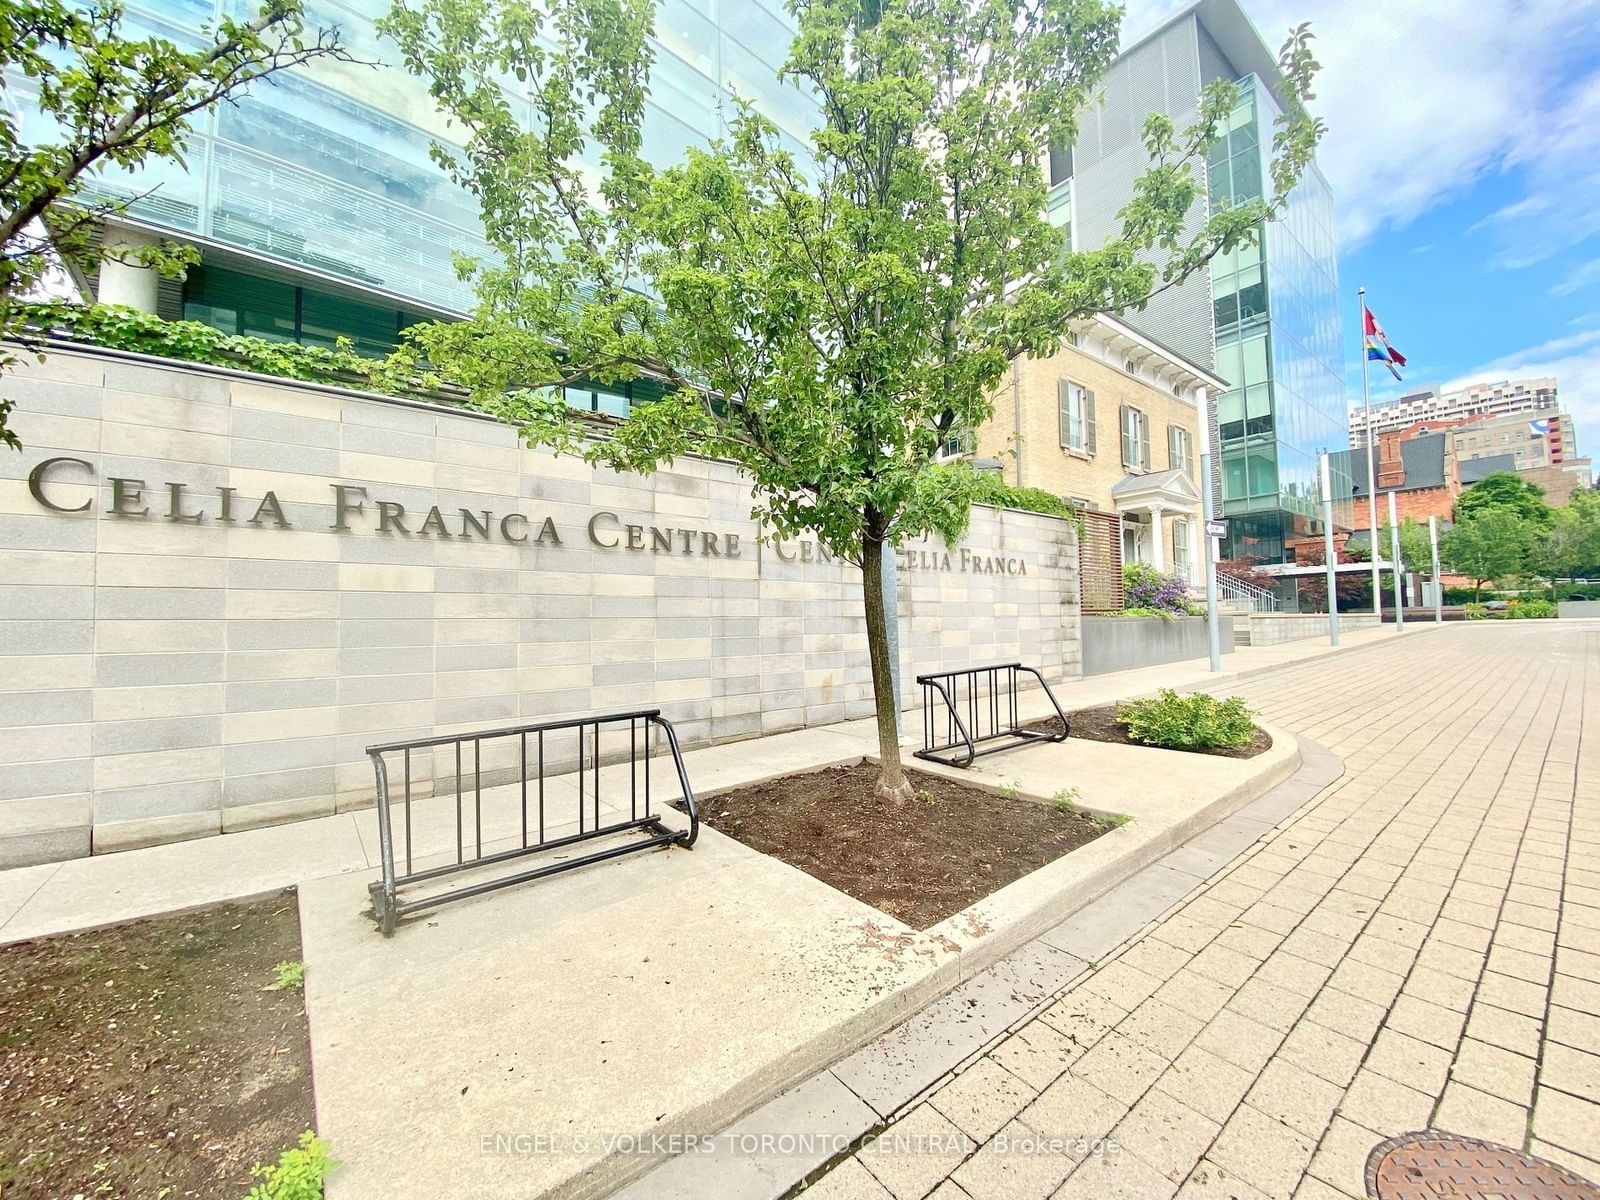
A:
[(1372, 486)]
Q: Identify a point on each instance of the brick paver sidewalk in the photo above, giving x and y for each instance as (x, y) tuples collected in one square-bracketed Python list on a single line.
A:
[(1418, 947)]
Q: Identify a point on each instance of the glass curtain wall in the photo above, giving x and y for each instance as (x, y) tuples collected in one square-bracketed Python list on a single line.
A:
[(328, 169), (1276, 305)]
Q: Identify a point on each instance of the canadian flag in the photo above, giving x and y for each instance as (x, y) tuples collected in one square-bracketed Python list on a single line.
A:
[(1373, 329)]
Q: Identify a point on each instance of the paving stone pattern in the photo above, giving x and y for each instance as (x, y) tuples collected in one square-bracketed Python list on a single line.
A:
[(1418, 946)]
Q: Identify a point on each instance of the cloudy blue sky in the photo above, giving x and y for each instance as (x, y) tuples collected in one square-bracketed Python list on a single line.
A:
[(1464, 154)]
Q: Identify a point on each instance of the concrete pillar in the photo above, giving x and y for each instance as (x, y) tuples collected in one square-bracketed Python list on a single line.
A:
[(127, 282), (1158, 548)]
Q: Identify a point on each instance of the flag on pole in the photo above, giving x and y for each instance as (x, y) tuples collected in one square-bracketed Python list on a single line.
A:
[(1378, 347), (1379, 354)]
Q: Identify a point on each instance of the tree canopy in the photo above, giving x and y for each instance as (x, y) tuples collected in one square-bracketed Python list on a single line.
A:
[(114, 100), (1506, 490), (1571, 545), (827, 319), (1489, 545)]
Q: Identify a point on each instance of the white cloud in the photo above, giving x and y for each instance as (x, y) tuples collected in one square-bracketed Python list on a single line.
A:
[(1574, 359), (1422, 97), (1584, 275)]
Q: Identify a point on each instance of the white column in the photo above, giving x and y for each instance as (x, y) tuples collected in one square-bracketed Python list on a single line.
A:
[(1196, 532), (1158, 549), (126, 282)]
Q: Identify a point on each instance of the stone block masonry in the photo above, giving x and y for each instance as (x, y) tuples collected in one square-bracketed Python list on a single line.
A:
[(219, 590)]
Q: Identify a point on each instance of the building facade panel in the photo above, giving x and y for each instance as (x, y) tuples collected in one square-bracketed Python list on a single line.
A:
[(1161, 75), (1266, 316), (194, 646)]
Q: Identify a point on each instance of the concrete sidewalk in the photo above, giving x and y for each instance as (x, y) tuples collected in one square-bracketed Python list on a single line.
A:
[(1417, 948), (82, 893)]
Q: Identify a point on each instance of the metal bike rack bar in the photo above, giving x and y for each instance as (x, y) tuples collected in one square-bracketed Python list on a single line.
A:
[(532, 757), (988, 697)]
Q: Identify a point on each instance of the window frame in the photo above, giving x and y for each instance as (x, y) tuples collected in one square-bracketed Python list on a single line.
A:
[(1140, 435), (1178, 434)]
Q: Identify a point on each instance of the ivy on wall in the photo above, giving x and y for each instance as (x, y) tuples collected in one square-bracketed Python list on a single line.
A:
[(120, 328), (994, 490)]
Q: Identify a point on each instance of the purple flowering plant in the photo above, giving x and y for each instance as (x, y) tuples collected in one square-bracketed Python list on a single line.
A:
[(1148, 589)]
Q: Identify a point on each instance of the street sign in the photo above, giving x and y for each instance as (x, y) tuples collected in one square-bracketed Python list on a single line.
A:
[(1216, 529)]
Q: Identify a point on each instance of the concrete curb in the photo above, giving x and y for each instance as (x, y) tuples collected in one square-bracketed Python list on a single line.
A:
[(1006, 977)]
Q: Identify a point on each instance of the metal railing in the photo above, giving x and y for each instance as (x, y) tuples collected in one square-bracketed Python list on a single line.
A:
[(1257, 598), (988, 697), (523, 774)]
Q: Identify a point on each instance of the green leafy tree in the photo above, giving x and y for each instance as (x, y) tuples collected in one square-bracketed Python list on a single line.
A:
[(825, 320), (1504, 490), (112, 100), (1571, 546), (1487, 546)]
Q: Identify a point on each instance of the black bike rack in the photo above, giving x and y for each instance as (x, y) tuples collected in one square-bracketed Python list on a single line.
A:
[(988, 697), (530, 756)]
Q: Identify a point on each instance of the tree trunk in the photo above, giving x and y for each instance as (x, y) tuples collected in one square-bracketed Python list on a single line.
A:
[(892, 782)]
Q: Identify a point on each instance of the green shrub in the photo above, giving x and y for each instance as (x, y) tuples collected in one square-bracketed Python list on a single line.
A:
[(123, 328), (287, 976), (298, 1175), (1524, 610), (1476, 612), (1189, 722), (991, 489), (1142, 611)]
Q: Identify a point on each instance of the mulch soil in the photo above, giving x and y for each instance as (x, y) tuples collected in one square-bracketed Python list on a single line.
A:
[(921, 861), (146, 1060), (1100, 725)]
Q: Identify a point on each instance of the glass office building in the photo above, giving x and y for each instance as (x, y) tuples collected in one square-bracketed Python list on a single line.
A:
[(1266, 317), (316, 205), (1276, 307)]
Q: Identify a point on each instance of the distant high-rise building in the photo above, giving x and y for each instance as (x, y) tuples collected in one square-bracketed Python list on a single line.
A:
[(1475, 400), (1266, 316), (1536, 438)]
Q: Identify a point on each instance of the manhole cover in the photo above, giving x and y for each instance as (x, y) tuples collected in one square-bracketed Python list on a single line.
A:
[(1427, 1166)]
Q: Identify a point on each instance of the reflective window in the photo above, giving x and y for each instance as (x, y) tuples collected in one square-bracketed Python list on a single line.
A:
[(330, 168), (237, 302)]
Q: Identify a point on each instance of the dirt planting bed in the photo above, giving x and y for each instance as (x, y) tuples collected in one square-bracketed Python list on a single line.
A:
[(147, 1060), (920, 861)]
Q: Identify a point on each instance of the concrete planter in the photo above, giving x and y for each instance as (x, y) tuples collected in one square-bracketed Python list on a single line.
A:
[(1578, 608), (1269, 629), (1122, 643)]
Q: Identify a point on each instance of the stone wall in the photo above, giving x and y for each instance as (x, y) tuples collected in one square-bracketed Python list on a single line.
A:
[(201, 647)]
